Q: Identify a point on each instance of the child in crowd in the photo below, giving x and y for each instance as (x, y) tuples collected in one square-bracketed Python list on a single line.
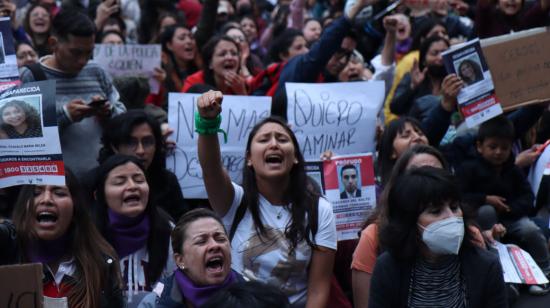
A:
[(497, 188)]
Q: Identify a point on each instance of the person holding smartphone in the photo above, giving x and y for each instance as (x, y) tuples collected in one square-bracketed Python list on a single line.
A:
[(85, 95)]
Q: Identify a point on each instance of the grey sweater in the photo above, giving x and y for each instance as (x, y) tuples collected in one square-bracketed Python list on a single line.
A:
[(80, 141)]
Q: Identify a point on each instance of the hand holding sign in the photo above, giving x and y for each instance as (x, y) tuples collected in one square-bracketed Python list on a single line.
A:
[(210, 104), (450, 87)]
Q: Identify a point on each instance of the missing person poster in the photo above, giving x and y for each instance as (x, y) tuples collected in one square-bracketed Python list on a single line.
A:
[(239, 115), (518, 266), (349, 186), (9, 73), (130, 60), (30, 151), (477, 100)]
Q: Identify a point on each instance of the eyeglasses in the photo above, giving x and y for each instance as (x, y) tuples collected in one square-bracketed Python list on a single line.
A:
[(132, 144), (347, 177)]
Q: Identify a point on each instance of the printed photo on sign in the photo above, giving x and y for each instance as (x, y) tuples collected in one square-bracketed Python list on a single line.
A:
[(21, 117), (469, 69), (30, 150), (350, 188), (477, 100), (350, 181)]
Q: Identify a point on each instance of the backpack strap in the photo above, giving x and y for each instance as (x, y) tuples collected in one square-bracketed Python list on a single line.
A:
[(37, 71), (241, 210)]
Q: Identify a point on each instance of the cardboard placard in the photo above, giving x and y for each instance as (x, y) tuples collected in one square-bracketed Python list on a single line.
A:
[(520, 67), (21, 286)]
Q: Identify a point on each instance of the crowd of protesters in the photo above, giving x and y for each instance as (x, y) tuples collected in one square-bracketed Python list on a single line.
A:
[(121, 233)]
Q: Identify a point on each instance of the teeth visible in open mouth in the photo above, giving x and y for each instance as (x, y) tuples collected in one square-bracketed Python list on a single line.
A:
[(132, 198), (215, 263), (46, 217), (274, 159)]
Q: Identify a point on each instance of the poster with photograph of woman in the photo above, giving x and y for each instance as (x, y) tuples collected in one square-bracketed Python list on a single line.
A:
[(469, 69), (30, 150), (21, 117), (477, 100)]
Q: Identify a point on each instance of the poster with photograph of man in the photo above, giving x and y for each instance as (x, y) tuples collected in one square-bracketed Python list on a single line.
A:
[(469, 69), (350, 181), (21, 117)]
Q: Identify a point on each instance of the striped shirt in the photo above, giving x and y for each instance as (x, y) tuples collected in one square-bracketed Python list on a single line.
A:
[(438, 284)]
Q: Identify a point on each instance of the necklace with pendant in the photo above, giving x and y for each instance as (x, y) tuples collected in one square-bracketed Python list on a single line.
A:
[(280, 214)]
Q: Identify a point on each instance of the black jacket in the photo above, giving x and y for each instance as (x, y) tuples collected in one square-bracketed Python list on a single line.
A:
[(482, 272), (478, 179)]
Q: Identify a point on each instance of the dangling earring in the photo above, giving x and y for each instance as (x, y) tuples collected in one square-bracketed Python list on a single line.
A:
[(249, 163), (181, 267)]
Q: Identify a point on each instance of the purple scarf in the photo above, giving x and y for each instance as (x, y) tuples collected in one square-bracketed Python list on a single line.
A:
[(404, 46), (198, 295), (48, 251), (128, 234)]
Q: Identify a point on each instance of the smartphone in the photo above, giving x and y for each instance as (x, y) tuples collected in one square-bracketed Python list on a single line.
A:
[(98, 103)]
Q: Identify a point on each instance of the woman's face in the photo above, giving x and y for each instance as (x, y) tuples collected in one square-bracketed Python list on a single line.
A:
[(142, 144), (53, 211), (403, 27), (39, 20), (409, 136), (272, 153), (14, 116), (126, 190), (312, 31), (298, 47), (206, 254), (466, 70), (112, 38), (436, 213), (183, 45), (239, 37), (509, 7), (354, 70), (225, 58), (25, 55), (424, 159), (433, 56), (249, 29)]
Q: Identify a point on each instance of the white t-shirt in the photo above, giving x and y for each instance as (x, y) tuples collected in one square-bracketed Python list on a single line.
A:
[(268, 259)]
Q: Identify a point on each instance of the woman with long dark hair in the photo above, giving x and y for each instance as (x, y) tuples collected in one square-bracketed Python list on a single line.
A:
[(429, 258), (281, 232), (51, 226), (137, 134), (222, 67), (138, 230)]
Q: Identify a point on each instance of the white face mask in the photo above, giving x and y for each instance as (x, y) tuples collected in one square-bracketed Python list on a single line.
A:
[(444, 236)]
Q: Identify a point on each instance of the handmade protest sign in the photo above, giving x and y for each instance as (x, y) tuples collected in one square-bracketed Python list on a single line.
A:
[(129, 60), (477, 100), (9, 73), (334, 116), (30, 151), (349, 186), (21, 286), (520, 67), (239, 115)]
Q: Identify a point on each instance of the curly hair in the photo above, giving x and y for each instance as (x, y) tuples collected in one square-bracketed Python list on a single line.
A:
[(32, 118)]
